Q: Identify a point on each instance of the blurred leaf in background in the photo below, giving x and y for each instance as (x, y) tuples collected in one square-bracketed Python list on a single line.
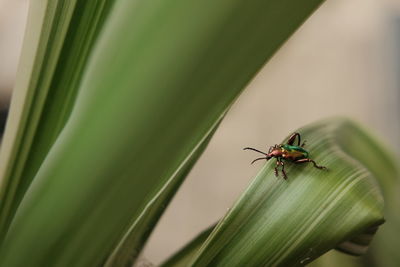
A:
[(153, 91)]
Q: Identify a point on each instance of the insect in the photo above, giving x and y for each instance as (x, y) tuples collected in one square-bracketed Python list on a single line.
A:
[(287, 152)]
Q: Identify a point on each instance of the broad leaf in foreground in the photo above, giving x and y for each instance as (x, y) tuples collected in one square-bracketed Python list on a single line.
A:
[(291, 222)]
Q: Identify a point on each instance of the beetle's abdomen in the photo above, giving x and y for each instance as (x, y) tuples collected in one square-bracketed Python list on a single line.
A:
[(294, 152)]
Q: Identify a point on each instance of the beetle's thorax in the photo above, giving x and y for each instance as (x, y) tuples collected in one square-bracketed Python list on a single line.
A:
[(275, 152)]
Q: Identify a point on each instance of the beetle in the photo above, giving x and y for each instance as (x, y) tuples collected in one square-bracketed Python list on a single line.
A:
[(287, 152)]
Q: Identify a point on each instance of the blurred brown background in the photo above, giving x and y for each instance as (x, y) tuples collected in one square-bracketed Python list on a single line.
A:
[(345, 60)]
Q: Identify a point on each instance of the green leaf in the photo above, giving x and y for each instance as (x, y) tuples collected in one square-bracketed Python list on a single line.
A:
[(58, 41), (46, 23), (279, 222), (127, 249), (383, 250), (160, 77), (334, 258), (184, 257)]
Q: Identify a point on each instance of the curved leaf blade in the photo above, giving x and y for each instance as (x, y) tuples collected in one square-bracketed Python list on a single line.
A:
[(129, 247), (184, 256), (290, 223)]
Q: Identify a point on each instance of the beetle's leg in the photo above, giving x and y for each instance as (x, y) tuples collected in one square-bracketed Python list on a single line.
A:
[(304, 143), (292, 138), (276, 168), (310, 160), (250, 148), (283, 170)]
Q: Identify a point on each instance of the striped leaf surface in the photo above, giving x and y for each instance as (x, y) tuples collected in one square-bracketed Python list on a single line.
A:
[(279, 222)]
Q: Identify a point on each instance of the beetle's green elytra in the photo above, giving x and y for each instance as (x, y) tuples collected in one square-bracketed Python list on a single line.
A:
[(294, 152)]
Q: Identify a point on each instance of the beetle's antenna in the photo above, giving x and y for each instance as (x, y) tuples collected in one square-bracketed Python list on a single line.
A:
[(258, 159), (250, 148)]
